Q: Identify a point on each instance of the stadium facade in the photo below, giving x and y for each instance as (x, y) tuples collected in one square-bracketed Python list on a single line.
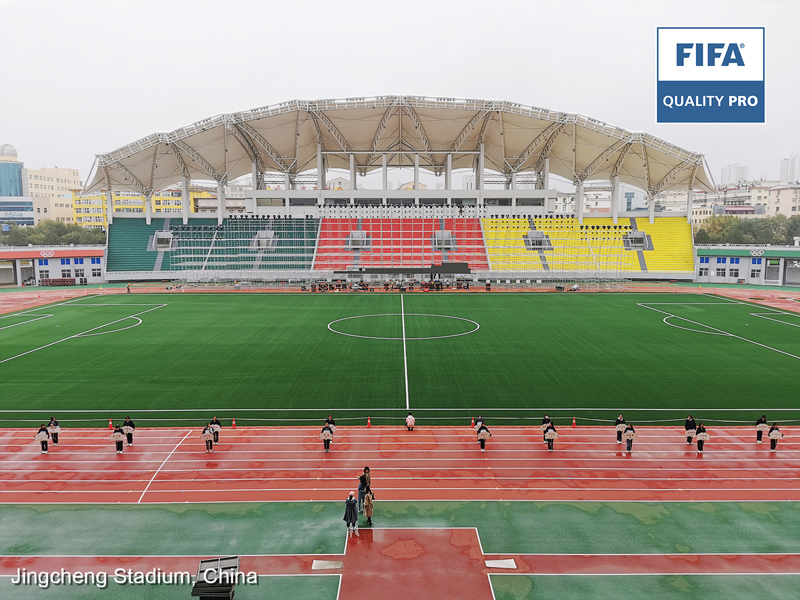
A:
[(506, 227)]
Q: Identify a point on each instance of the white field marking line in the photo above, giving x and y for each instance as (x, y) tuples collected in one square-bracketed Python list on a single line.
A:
[(116, 330), (762, 316), (373, 337), (405, 354), (546, 409), (83, 333), (24, 322), (666, 322), (738, 337), (162, 464)]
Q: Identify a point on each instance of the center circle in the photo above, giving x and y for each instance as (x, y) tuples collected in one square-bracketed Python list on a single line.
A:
[(472, 325)]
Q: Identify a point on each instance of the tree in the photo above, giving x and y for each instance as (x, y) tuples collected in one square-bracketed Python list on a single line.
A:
[(51, 233), (701, 237)]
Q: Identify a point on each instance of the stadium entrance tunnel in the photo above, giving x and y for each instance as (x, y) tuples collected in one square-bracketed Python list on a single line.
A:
[(408, 326)]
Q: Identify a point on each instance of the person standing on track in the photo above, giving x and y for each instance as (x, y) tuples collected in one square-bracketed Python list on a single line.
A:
[(478, 422), (329, 421), (620, 421), (773, 441), (760, 432), (54, 435), (43, 429), (118, 443), (410, 420), (215, 427), (326, 435), (350, 513), (369, 498), (363, 484), (132, 425), (545, 422), (550, 440), (629, 440), (700, 442), (691, 429), (483, 434), (210, 442)]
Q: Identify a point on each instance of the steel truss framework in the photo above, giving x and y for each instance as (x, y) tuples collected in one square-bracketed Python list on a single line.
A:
[(434, 134)]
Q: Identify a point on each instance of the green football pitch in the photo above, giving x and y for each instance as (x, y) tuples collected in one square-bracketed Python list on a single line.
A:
[(266, 359)]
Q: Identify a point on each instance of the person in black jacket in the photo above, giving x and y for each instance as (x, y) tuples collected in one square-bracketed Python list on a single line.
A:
[(620, 421), (54, 436), (629, 443), (773, 442), (550, 427), (483, 433), (118, 429), (545, 422), (759, 432), (132, 425), (326, 428), (700, 429), (689, 426), (214, 429), (43, 429)]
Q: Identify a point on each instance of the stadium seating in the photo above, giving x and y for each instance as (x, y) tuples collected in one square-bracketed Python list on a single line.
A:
[(672, 244), (243, 244), (399, 243), (127, 245)]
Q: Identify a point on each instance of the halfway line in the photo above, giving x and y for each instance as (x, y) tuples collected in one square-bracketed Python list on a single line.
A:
[(159, 468)]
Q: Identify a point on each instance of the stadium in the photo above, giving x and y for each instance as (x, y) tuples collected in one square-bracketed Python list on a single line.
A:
[(308, 297)]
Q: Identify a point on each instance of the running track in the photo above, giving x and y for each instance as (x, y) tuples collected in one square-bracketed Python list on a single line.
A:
[(442, 463)]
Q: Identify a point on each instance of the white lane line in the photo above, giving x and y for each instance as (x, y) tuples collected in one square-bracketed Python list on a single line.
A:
[(162, 464), (405, 354)]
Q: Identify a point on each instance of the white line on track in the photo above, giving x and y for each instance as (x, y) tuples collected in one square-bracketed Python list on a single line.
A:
[(162, 464), (405, 354)]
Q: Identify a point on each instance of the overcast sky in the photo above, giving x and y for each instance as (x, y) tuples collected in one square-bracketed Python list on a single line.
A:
[(80, 77)]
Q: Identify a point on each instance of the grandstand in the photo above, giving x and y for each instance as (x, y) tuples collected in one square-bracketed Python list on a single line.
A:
[(299, 230)]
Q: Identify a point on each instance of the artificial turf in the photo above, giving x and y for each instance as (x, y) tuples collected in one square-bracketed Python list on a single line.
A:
[(271, 358)]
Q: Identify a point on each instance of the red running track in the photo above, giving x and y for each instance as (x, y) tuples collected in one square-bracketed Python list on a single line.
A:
[(438, 463)]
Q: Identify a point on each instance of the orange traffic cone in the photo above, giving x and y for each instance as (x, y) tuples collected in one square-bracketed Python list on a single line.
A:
[(369, 423), (110, 426), (234, 424), (473, 422), (573, 422)]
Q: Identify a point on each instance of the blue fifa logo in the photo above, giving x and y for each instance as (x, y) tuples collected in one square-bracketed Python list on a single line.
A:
[(710, 75)]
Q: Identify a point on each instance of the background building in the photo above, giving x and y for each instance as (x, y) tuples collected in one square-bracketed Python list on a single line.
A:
[(790, 168), (10, 172), (734, 173)]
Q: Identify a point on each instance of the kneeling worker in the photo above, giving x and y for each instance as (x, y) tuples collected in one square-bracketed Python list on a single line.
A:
[(410, 420)]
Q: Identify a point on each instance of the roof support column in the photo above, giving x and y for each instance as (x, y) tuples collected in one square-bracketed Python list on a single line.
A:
[(18, 271), (579, 202), (416, 171), (448, 173), (615, 198), (651, 204), (148, 208), (320, 168), (479, 170), (546, 174), (353, 172), (287, 181), (109, 207), (689, 206), (384, 171), (220, 202), (514, 180), (185, 199)]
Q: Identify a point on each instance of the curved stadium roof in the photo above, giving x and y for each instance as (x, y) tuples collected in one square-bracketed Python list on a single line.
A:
[(283, 138)]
